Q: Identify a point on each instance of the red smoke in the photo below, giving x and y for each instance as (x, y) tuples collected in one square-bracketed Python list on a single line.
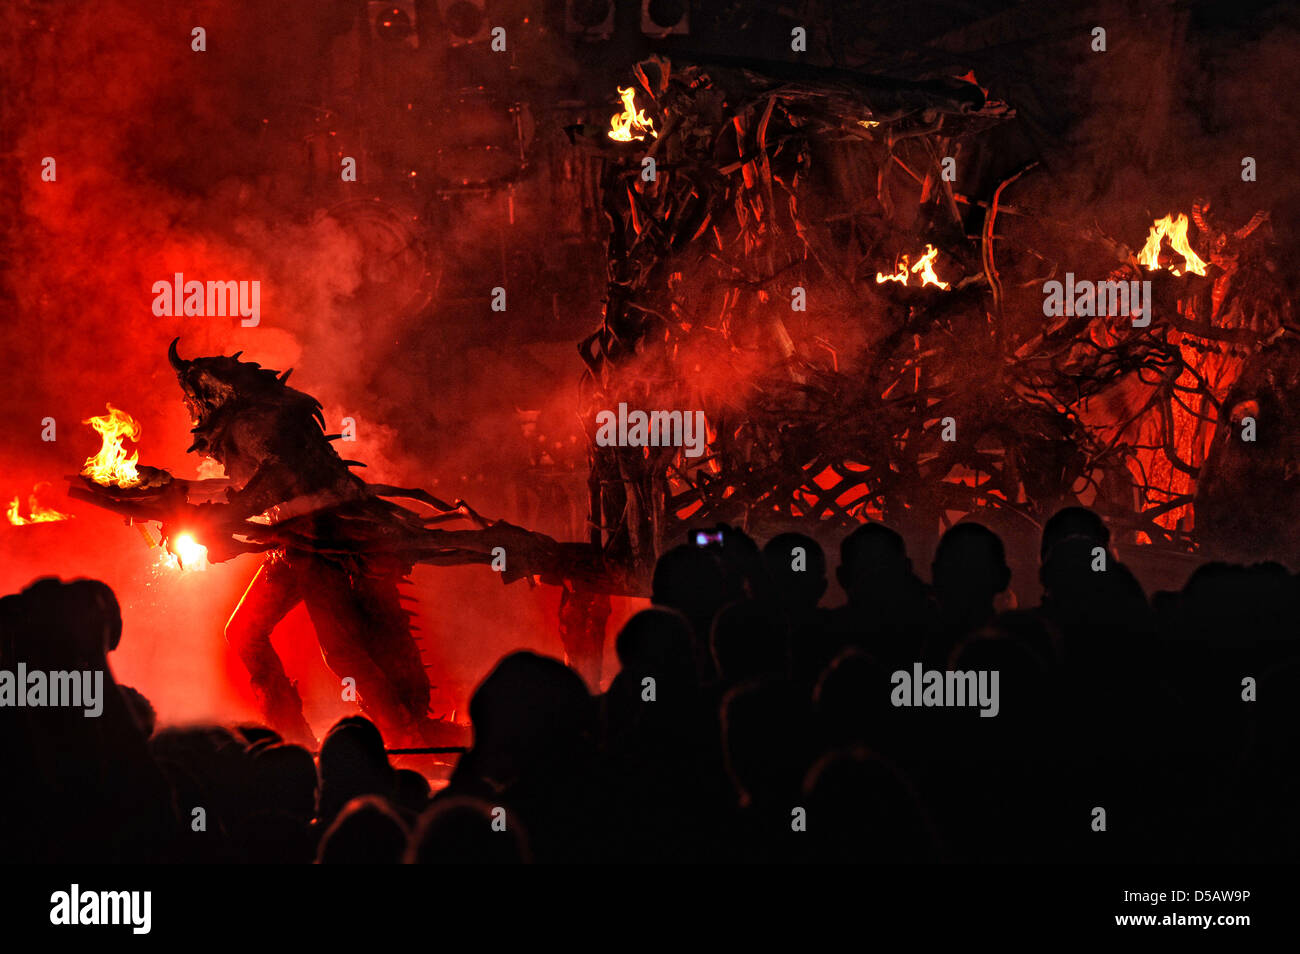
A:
[(170, 160)]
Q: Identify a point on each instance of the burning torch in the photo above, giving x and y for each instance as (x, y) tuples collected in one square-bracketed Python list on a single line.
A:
[(113, 479)]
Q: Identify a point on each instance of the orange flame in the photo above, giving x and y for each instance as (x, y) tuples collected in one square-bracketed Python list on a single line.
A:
[(1176, 231), (35, 512), (112, 465), (900, 276), (631, 123), (924, 268)]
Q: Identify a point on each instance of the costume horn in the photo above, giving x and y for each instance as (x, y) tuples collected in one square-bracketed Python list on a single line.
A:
[(177, 362)]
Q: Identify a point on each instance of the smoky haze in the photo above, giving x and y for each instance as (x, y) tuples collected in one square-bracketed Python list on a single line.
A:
[(224, 165)]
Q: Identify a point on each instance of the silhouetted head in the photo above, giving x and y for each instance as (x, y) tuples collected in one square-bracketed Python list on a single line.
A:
[(1075, 568), (970, 568), (529, 708), (97, 601), (207, 763), (748, 642), (1023, 686), (691, 580), (656, 644), (410, 790), (1030, 629), (1093, 598), (877, 816), (873, 563), (851, 699), (364, 732), (742, 564), (58, 625), (13, 627), (796, 565), (656, 641), (456, 831), (255, 735), (366, 832), (764, 741), (353, 762), (1073, 522), (284, 777)]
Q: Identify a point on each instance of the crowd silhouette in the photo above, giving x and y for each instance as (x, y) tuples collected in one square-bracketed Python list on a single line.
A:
[(747, 722)]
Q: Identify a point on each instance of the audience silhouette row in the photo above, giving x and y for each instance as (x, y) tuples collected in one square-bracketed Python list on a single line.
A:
[(747, 722)]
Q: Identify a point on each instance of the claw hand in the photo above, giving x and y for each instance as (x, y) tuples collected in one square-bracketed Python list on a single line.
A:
[(204, 525)]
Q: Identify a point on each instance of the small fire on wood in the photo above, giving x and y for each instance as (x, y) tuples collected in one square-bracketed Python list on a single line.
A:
[(112, 466), (632, 123), (36, 513), (1175, 230), (923, 269)]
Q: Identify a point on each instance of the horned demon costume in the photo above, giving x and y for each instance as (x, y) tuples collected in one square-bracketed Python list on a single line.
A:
[(331, 540)]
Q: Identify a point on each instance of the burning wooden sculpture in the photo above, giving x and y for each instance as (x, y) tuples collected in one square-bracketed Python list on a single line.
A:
[(773, 273), (787, 254)]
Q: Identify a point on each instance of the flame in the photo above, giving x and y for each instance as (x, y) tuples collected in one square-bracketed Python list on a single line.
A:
[(35, 512), (631, 123), (186, 553), (900, 276), (924, 267), (1176, 231), (112, 465)]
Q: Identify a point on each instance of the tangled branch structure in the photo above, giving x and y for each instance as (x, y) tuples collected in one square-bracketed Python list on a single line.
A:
[(767, 231)]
